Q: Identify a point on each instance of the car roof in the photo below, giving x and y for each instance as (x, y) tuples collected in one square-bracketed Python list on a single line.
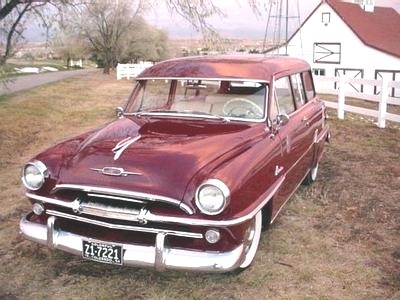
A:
[(251, 67)]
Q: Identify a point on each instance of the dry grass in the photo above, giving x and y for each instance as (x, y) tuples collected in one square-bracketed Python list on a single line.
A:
[(338, 239)]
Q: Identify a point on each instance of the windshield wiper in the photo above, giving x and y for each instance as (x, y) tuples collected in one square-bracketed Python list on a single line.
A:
[(208, 115), (150, 112), (180, 113)]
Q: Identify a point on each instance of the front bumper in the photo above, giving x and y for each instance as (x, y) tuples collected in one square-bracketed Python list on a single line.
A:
[(158, 256)]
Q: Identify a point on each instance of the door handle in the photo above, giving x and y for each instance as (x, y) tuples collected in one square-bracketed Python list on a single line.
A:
[(305, 120)]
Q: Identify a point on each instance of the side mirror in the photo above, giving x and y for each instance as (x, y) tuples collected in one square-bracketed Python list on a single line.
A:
[(277, 123), (119, 111), (282, 120)]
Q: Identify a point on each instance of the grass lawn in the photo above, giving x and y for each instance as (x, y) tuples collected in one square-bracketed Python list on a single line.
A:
[(338, 239)]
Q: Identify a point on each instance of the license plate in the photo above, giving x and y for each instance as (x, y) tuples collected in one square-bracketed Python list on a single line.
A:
[(102, 252)]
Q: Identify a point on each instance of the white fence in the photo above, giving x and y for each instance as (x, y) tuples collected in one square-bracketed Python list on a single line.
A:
[(350, 87), (129, 71)]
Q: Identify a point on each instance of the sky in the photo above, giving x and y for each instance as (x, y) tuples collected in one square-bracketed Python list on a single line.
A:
[(240, 20)]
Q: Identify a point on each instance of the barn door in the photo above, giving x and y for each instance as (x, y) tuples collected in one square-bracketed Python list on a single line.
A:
[(390, 76), (352, 73)]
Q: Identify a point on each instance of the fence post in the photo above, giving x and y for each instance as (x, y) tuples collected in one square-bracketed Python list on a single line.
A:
[(119, 72), (342, 96), (383, 103)]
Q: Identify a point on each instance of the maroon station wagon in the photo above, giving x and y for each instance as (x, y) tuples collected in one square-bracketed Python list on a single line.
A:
[(204, 155)]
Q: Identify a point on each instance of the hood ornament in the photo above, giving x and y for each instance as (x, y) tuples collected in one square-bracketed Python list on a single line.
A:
[(111, 171), (122, 145)]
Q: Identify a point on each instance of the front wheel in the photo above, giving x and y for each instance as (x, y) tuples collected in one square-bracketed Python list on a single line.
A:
[(252, 241)]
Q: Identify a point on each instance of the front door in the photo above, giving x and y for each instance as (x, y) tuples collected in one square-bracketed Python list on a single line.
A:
[(296, 136)]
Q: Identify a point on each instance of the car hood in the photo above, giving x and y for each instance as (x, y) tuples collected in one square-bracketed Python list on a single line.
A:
[(158, 157)]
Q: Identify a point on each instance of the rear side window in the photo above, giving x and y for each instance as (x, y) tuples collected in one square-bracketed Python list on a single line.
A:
[(298, 90), (308, 85), (283, 96)]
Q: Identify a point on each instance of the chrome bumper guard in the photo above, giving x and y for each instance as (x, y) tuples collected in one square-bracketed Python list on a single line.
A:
[(158, 256)]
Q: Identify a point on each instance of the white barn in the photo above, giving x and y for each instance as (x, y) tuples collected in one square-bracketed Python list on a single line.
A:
[(358, 40)]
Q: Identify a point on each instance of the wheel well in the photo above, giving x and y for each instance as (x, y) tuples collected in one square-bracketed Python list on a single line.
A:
[(267, 214)]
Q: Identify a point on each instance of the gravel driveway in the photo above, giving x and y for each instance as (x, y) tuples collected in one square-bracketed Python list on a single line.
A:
[(30, 81)]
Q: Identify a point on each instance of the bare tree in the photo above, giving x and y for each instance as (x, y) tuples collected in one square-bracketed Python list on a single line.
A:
[(69, 45), (14, 16), (105, 24), (144, 42)]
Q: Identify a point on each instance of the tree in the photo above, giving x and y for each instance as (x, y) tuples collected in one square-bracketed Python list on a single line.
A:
[(105, 24), (69, 45), (144, 42), (13, 18)]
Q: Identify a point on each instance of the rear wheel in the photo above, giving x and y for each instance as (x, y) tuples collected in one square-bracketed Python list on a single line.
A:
[(252, 241), (311, 176)]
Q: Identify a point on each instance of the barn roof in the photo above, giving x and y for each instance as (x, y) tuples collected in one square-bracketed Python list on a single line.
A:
[(379, 29)]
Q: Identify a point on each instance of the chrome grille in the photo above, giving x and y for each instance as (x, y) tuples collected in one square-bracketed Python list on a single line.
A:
[(107, 211), (121, 195)]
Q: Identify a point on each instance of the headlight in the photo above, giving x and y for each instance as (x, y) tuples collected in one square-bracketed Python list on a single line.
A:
[(34, 174), (212, 197)]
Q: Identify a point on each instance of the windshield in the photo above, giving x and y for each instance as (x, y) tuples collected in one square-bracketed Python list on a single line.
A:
[(244, 100)]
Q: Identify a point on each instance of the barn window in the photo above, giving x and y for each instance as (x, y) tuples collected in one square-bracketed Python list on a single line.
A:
[(328, 53), (319, 72), (326, 18)]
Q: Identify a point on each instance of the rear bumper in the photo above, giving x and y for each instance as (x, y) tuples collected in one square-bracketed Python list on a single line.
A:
[(158, 256)]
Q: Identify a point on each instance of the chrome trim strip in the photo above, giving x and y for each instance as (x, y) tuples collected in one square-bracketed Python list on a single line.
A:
[(52, 201), (116, 192), (111, 171), (124, 227), (115, 198), (143, 256), (203, 78), (122, 145)]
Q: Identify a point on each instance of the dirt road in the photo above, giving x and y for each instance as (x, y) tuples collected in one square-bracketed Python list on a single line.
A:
[(30, 81)]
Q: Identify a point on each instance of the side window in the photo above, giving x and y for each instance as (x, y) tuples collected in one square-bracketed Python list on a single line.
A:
[(283, 96), (298, 90), (308, 85)]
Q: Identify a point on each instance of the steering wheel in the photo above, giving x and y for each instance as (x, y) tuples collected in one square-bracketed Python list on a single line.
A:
[(242, 107)]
